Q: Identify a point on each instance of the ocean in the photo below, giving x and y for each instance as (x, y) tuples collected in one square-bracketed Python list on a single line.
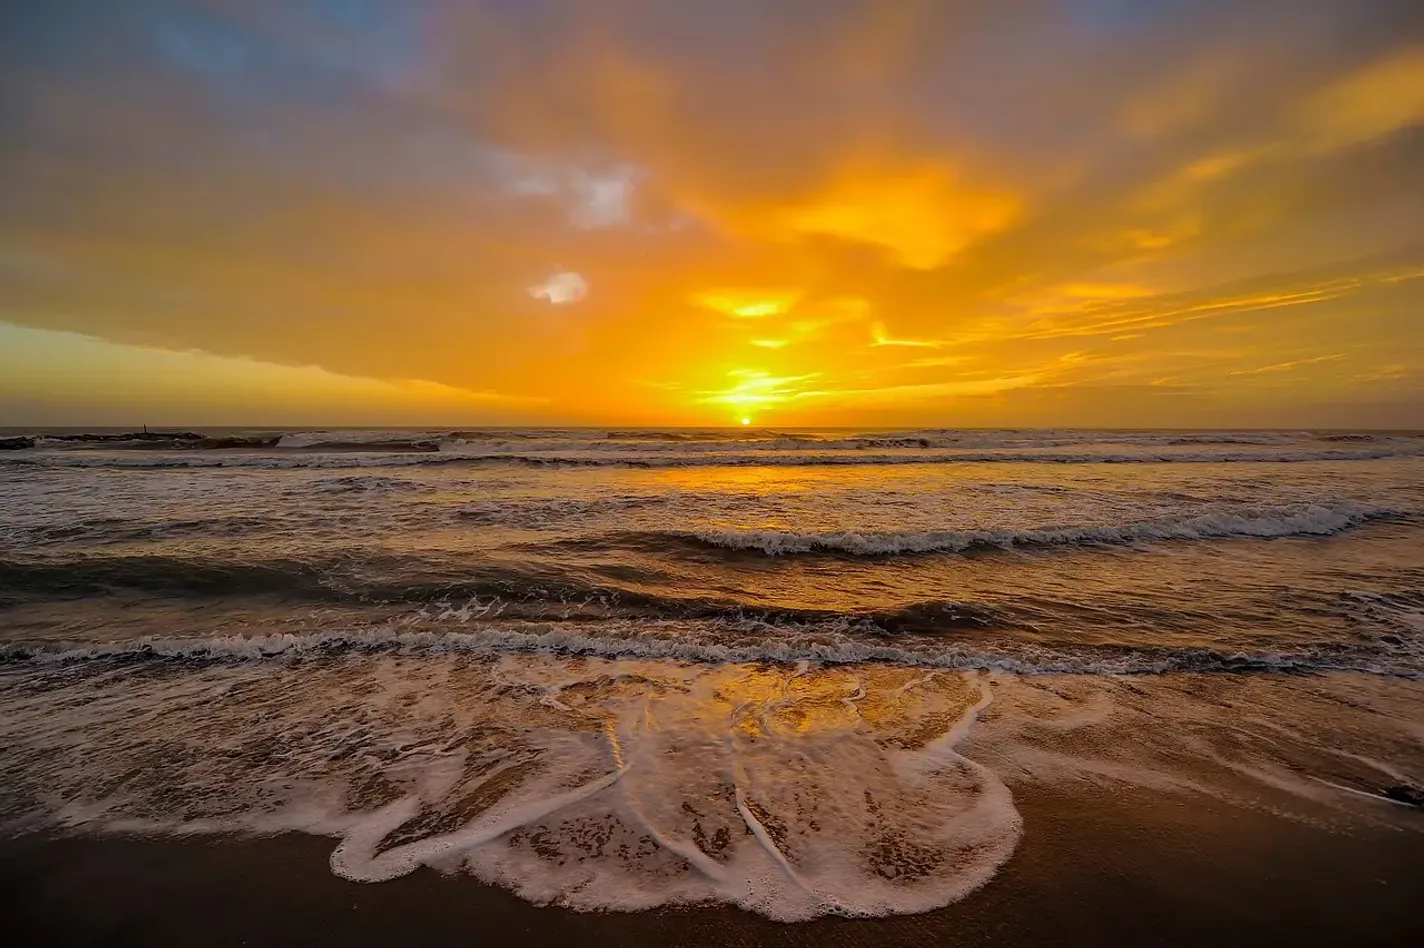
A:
[(801, 672)]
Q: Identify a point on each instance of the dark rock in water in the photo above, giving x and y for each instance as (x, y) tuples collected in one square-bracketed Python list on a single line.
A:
[(1404, 793), (16, 444)]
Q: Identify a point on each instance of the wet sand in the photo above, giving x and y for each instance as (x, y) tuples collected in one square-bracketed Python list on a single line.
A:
[(1094, 867)]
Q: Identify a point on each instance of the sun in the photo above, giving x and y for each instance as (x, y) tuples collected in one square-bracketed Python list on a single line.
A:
[(746, 421)]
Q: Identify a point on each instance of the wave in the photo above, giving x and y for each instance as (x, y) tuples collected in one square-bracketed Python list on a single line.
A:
[(767, 439), (533, 512), (98, 575), (640, 641), (1263, 522), (389, 445), (367, 484), (299, 439), (715, 435), (108, 530), (1399, 614), (536, 512), (484, 593), (429, 457), (692, 442)]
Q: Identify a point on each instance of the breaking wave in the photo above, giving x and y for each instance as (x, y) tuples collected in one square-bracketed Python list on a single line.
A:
[(1266, 522), (715, 643), (484, 593), (367, 484)]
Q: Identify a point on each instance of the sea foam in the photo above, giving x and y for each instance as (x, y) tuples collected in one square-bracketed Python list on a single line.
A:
[(790, 792), (721, 642)]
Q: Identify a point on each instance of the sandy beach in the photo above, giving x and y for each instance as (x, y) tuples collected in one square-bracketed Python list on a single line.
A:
[(1127, 867)]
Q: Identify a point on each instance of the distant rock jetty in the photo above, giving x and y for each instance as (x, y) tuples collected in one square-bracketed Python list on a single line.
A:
[(132, 436), (153, 440)]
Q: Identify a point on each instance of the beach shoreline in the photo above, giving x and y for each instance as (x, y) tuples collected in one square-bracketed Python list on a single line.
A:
[(1094, 866)]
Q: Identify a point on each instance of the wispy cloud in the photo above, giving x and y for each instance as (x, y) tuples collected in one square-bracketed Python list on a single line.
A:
[(1174, 310), (748, 303), (1287, 366), (879, 336)]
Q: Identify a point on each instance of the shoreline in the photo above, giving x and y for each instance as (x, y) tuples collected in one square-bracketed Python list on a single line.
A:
[(1129, 866)]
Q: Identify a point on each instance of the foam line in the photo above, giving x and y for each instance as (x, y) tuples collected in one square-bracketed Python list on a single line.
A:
[(1265, 523), (626, 642), (356, 860)]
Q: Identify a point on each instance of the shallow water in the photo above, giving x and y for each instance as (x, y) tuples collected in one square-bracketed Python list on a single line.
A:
[(794, 671)]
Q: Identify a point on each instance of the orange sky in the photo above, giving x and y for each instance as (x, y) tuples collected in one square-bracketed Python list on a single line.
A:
[(897, 212)]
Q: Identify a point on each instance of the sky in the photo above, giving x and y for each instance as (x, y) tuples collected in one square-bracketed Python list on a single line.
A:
[(797, 213)]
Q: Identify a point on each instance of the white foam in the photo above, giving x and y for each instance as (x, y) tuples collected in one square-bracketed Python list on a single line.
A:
[(652, 784), (306, 439), (649, 783), (1287, 746), (714, 642)]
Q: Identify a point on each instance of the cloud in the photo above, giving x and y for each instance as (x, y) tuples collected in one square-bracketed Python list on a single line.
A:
[(1287, 366), (922, 216), (592, 199), (561, 288), (747, 303), (74, 379), (1383, 97), (880, 336), (757, 389), (1118, 317)]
